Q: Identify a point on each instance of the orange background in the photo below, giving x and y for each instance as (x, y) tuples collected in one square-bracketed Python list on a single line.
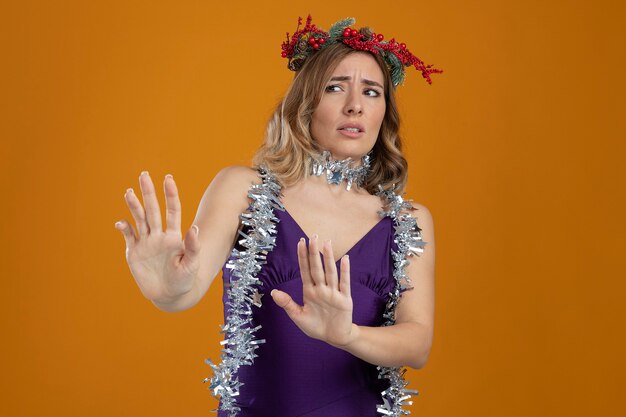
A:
[(517, 149)]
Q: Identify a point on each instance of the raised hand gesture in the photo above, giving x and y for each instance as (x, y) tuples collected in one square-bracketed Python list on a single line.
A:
[(163, 264), (327, 311)]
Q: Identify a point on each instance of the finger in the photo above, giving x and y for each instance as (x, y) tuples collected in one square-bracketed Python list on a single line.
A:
[(303, 262), (192, 242), (344, 280), (153, 212), (315, 262), (192, 248), (137, 211), (127, 232), (330, 269), (285, 301), (172, 205)]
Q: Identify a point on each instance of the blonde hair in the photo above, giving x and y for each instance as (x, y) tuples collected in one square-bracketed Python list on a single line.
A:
[(288, 145)]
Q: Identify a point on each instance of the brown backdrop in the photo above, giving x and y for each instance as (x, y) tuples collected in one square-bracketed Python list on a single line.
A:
[(517, 149)]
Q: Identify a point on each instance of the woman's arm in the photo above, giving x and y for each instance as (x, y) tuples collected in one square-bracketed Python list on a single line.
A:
[(217, 219), (408, 342), (327, 311)]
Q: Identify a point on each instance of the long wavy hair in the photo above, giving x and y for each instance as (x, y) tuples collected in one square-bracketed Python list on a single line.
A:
[(288, 145)]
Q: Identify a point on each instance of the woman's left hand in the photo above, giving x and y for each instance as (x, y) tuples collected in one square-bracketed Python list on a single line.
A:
[(327, 311)]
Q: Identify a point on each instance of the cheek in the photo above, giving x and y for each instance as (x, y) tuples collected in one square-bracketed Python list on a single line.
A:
[(315, 125), (320, 120), (381, 116)]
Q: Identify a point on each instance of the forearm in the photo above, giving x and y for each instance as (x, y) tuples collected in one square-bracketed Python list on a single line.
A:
[(403, 344)]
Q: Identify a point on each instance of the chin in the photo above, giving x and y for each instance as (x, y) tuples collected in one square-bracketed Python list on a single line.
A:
[(355, 151), (343, 154)]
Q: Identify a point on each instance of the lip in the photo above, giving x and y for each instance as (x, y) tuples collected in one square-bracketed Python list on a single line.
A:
[(355, 125), (353, 135)]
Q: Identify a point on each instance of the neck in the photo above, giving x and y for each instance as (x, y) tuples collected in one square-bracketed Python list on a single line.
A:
[(338, 171)]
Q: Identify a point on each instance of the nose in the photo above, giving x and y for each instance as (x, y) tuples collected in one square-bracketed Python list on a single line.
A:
[(353, 104)]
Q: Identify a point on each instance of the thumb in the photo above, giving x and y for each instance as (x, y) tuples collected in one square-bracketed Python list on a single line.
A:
[(128, 232), (191, 241), (192, 246), (285, 301)]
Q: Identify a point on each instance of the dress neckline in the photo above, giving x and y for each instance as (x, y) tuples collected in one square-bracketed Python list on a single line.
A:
[(353, 247)]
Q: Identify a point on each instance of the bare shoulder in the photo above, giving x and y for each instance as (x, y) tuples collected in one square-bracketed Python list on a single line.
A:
[(227, 196), (421, 211), (424, 220), (232, 183), (236, 176)]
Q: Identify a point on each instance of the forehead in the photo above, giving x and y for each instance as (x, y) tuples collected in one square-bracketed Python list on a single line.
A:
[(361, 65)]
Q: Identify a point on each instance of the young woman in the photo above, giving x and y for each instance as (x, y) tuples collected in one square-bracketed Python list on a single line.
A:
[(318, 292)]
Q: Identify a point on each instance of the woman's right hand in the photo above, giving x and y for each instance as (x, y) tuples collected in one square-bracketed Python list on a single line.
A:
[(163, 264)]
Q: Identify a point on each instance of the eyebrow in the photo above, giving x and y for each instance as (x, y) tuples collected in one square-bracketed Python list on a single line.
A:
[(363, 80)]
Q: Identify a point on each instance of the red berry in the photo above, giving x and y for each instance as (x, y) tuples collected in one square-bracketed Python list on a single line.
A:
[(322, 41), (353, 32), (311, 41), (380, 37), (403, 46), (316, 46), (283, 54)]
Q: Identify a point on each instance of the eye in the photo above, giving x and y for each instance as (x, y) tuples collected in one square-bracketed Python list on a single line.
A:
[(333, 88), (371, 92)]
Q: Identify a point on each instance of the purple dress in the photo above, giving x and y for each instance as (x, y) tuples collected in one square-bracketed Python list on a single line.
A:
[(295, 375)]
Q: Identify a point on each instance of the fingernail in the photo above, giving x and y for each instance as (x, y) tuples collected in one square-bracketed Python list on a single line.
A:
[(118, 225), (272, 293), (130, 190), (195, 226), (144, 173), (169, 176), (301, 239)]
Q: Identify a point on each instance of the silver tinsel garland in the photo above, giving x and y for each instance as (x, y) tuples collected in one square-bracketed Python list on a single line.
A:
[(239, 340), (338, 171), (408, 237), (240, 343)]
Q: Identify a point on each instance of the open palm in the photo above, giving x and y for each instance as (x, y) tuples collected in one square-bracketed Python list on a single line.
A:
[(327, 311), (162, 263)]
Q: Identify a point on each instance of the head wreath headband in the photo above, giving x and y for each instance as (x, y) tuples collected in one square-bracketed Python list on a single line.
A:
[(310, 39)]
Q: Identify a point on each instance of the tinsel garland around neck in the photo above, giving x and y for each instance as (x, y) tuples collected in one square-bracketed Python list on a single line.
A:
[(240, 342), (338, 171)]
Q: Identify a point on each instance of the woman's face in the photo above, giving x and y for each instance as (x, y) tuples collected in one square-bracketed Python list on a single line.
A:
[(348, 118)]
